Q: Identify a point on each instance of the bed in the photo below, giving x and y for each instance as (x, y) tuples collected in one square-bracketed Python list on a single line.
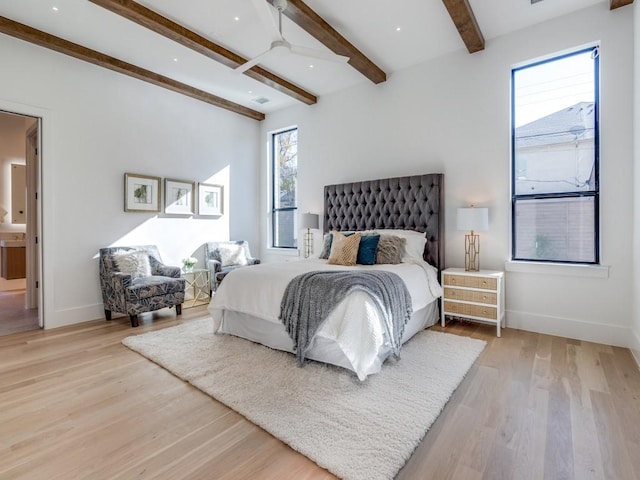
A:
[(247, 303)]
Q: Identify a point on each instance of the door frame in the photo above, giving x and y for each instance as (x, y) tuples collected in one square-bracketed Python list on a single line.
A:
[(44, 174)]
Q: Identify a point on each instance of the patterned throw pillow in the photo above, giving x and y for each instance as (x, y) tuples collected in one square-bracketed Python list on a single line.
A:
[(344, 250), (390, 249), (326, 246), (134, 263)]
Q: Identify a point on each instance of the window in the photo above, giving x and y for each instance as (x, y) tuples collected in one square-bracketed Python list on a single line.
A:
[(554, 174), (284, 184)]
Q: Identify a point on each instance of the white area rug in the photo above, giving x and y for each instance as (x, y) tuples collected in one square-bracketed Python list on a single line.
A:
[(355, 430)]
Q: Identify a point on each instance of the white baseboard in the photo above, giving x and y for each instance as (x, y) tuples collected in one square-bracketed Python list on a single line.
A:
[(570, 328), (635, 346), (71, 316)]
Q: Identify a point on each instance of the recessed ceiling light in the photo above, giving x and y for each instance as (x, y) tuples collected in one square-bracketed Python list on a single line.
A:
[(55, 9), (398, 29), (237, 19), (175, 59), (250, 92), (311, 66)]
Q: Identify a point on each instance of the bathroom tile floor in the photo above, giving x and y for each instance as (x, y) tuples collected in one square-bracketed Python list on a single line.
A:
[(13, 316)]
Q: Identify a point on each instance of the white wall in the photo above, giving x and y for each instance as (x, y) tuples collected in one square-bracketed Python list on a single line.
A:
[(12, 150), (452, 115), (97, 125), (635, 338)]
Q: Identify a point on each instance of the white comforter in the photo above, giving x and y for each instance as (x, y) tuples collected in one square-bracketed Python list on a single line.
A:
[(354, 324)]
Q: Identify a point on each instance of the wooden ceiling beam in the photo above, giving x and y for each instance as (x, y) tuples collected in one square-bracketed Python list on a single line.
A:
[(57, 44), (167, 28), (465, 21), (613, 4), (315, 25)]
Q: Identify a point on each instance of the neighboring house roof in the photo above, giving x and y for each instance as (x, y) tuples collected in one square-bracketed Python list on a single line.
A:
[(563, 126)]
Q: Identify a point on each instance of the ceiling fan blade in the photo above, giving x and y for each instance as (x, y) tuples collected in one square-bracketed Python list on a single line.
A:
[(252, 62), (263, 10), (319, 54)]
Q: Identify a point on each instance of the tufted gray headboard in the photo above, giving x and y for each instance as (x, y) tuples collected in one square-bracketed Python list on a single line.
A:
[(409, 203)]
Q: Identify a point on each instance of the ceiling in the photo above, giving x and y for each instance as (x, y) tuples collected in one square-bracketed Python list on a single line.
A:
[(393, 35)]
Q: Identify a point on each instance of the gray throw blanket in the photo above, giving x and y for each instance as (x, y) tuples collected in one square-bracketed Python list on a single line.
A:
[(309, 299)]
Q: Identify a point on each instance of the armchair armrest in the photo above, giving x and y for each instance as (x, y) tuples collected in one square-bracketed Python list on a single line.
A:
[(119, 281), (167, 271), (158, 268), (214, 266)]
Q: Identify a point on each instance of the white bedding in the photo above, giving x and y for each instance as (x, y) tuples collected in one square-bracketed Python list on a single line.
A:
[(352, 336)]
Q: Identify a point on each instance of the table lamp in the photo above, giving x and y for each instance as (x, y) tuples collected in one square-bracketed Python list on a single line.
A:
[(309, 221), (474, 220)]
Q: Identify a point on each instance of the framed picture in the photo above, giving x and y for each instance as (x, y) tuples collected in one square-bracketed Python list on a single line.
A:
[(178, 197), (141, 193), (209, 199)]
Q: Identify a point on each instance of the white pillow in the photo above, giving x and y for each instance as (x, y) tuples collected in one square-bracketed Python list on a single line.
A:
[(414, 247), (232, 255), (134, 263)]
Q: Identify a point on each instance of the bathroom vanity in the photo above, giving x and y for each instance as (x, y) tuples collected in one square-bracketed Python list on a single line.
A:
[(14, 259)]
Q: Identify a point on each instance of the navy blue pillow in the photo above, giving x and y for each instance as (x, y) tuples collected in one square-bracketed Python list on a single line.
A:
[(368, 249)]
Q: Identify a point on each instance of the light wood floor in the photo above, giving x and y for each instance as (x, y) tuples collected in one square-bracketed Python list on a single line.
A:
[(76, 404)]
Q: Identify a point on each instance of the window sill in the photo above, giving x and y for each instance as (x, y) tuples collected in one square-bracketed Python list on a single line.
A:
[(566, 269)]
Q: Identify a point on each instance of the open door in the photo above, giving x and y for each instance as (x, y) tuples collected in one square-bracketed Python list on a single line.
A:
[(32, 297)]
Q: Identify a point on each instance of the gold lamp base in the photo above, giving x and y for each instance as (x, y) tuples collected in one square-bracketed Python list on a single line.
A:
[(308, 243), (472, 252)]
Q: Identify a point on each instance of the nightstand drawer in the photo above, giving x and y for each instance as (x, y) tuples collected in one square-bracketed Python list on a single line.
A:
[(472, 310), (471, 281), (471, 296)]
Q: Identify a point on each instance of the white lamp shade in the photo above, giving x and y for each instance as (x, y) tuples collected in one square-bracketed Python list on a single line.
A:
[(476, 219), (310, 220)]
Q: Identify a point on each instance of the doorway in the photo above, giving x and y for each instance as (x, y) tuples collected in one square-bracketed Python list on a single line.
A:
[(19, 223)]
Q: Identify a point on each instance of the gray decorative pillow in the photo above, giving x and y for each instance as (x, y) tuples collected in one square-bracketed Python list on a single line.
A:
[(390, 249)]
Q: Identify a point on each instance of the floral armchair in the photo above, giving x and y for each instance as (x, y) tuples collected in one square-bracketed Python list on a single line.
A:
[(134, 280), (223, 257)]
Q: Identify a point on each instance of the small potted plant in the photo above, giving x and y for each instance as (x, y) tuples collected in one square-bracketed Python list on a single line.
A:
[(188, 263)]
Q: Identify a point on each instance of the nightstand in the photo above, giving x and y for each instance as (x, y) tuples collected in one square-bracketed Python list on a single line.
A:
[(197, 288), (474, 295)]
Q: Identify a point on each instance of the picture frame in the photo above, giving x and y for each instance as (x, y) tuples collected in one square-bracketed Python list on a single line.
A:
[(141, 193), (210, 199), (179, 197)]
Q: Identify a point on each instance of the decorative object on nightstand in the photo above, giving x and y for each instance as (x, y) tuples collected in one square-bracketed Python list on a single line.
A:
[(475, 220), (309, 221), (474, 295)]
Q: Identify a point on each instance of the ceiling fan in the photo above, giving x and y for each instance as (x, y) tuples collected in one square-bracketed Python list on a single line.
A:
[(280, 46)]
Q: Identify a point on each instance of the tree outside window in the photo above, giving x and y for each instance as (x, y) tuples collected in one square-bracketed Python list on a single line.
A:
[(284, 188)]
